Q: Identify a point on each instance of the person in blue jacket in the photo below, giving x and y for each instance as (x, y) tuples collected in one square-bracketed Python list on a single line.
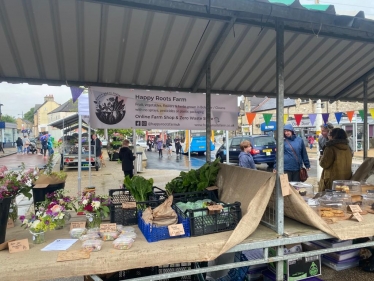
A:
[(245, 158), (295, 155)]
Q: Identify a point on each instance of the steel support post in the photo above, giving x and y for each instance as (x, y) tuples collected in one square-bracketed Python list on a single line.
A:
[(365, 144), (80, 153), (208, 114), (279, 207)]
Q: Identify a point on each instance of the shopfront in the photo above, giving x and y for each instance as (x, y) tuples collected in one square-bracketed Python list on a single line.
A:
[(8, 134)]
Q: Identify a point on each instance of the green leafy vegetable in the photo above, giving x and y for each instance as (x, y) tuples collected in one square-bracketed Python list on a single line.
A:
[(139, 187)]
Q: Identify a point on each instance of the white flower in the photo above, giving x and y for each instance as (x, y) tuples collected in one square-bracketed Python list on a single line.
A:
[(19, 178), (95, 204), (84, 202), (29, 183), (35, 224), (25, 221), (61, 216)]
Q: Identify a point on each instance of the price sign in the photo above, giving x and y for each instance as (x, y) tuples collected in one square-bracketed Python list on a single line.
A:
[(215, 208), (357, 216), (285, 185), (176, 230), (355, 208), (18, 246), (129, 205), (10, 223), (78, 224), (73, 255), (108, 227)]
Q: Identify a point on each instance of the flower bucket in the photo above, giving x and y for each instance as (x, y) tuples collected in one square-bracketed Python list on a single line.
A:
[(4, 215), (93, 220), (38, 237)]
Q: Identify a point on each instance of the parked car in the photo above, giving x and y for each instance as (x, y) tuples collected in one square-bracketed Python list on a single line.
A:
[(263, 149), (142, 143)]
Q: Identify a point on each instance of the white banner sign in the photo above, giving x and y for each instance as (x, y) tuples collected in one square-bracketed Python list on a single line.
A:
[(122, 108)]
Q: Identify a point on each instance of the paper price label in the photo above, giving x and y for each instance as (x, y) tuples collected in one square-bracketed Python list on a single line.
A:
[(357, 216), (107, 227), (78, 224), (176, 230), (10, 223), (355, 208), (215, 208), (18, 246), (128, 205)]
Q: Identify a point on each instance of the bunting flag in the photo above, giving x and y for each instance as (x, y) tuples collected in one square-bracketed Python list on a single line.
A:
[(298, 118), (325, 117), (371, 110), (312, 118), (350, 115), (267, 117), (250, 117), (285, 118), (76, 92), (338, 116), (362, 114)]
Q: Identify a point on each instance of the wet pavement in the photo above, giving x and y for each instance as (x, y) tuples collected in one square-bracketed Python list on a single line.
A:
[(12, 160)]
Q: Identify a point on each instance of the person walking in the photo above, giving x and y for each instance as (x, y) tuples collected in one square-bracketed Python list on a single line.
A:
[(178, 145), (159, 145), (19, 143), (26, 144), (127, 158), (169, 147), (336, 160), (149, 143), (96, 148), (295, 155), (245, 157), (310, 141)]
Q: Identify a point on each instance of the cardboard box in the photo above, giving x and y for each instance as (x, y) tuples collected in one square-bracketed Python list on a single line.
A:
[(298, 269)]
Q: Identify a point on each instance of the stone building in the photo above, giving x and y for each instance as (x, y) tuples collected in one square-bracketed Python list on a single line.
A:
[(41, 114)]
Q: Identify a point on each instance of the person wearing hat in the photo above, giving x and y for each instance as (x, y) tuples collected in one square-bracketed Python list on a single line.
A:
[(295, 155)]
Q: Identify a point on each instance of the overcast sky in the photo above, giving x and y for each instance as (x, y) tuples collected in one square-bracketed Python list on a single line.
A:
[(18, 98)]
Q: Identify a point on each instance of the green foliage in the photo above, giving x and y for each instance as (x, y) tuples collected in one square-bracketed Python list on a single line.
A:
[(29, 115), (139, 187), (125, 132), (49, 170), (194, 180), (8, 118)]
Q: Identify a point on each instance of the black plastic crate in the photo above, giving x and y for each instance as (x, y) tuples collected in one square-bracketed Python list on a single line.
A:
[(133, 273), (182, 267), (201, 222), (119, 215), (158, 195)]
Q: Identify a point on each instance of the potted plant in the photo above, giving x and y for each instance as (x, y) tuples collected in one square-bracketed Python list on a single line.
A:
[(95, 207), (48, 181), (13, 183), (114, 146)]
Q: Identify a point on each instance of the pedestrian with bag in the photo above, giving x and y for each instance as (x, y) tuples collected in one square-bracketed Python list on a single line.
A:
[(295, 156), (336, 160), (19, 143), (26, 144), (127, 158)]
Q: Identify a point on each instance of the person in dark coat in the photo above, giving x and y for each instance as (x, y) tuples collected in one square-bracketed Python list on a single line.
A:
[(127, 158), (178, 145), (295, 155), (19, 143), (245, 157)]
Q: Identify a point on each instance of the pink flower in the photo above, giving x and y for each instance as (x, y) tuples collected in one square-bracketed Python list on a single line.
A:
[(56, 209)]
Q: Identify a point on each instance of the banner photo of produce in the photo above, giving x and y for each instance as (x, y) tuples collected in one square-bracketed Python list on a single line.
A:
[(123, 108)]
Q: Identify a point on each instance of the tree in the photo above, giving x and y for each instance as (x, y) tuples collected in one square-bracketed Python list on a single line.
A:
[(8, 118), (29, 115), (125, 132)]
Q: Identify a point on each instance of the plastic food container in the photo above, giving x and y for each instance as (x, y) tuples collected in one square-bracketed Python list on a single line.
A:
[(126, 229), (92, 245), (109, 236), (123, 243), (131, 235), (334, 205), (304, 189), (347, 186), (77, 232), (368, 201), (90, 236)]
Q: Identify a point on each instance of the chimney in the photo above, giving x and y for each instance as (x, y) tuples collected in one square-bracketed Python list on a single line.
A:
[(48, 98)]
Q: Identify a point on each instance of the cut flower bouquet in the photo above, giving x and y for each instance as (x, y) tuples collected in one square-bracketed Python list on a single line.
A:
[(95, 207)]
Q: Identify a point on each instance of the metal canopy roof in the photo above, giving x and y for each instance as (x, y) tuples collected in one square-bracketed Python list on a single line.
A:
[(67, 122), (167, 45)]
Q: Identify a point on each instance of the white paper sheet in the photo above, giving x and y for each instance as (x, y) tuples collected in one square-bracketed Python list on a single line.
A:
[(60, 245)]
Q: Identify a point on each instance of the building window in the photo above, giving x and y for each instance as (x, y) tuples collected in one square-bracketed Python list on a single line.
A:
[(304, 101)]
